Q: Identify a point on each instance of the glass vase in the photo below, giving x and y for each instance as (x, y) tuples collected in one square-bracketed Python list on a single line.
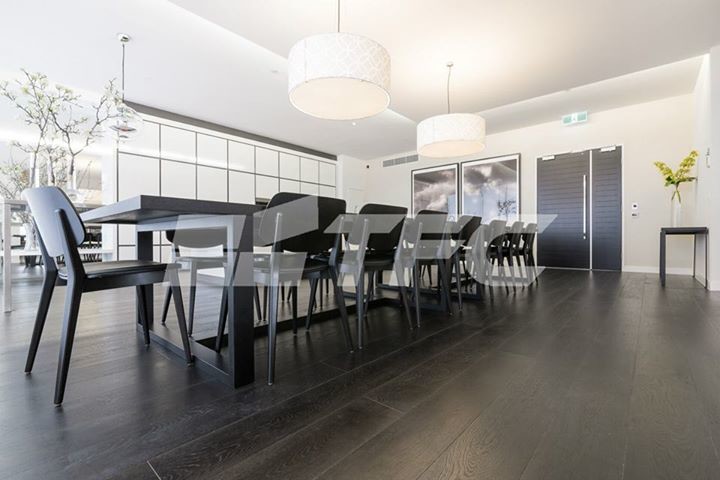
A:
[(675, 211)]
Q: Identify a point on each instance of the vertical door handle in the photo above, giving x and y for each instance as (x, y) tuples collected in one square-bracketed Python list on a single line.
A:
[(584, 207)]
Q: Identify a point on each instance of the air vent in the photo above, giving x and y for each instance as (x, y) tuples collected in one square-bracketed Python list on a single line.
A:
[(399, 161)]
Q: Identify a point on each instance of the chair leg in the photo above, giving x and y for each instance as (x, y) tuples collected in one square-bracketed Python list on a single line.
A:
[(272, 331), (45, 296), (140, 293), (511, 264), (166, 305), (311, 306), (222, 321), (258, 306), (340, 302), (370, 290), (180, 310), (359, 304), (193, 291), (293, 291), (400, 274), (458, 280), (444, 285), (322, 297), (282, 293), (416, 293), (72, 307), (265, 303)]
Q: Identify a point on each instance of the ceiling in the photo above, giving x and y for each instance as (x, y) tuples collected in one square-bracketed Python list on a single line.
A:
[(223, 61)]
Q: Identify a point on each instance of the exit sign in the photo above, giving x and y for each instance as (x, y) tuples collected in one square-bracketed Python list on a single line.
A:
[(574, 118)]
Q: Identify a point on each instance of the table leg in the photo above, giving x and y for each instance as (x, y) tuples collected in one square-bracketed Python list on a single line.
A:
[(694, 252), (241, 342), (662, 258), (7, 257), (707, 240), (145, 252)]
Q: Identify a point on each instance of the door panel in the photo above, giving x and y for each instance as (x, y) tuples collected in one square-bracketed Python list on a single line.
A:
[(607, 209), (563, 190)]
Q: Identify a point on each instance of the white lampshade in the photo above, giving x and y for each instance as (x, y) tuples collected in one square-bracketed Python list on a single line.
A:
[(451, 135), (339, 76)]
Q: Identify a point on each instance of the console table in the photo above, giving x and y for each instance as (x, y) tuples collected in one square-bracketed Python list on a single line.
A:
[(694, 231)]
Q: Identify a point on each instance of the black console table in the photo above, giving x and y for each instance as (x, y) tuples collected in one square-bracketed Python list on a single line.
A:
[(694, 231)]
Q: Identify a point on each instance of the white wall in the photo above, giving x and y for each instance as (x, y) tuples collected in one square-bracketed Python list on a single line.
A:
[(702, 135), (707, 138), (174, 159), (352, 178), (659, 130)]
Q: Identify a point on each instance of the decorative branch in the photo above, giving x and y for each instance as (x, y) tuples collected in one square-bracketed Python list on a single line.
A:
[(65, 126)]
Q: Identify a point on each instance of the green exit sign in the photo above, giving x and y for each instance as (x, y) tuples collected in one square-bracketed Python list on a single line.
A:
[(574, 118)]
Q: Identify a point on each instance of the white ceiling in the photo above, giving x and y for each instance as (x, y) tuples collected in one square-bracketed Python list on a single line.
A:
[(224, 60)]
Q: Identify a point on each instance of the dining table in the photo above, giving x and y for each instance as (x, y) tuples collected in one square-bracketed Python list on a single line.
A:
[(234, 365)]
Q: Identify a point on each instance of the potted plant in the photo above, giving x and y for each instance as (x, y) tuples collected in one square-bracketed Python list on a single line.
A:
[(675, 179)]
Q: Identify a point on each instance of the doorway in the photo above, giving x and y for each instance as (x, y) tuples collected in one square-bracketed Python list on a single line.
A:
[(584, 191)]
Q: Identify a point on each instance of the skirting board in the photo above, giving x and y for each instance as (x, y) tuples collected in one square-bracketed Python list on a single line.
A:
[(712, 285), (670, 271)]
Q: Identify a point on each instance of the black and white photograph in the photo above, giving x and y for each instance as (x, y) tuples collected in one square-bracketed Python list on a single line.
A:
[(436, 189), (491, 188)]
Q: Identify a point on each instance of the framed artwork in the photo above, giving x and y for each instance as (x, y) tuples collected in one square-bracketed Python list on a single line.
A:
[(436, 188), (491, 188)]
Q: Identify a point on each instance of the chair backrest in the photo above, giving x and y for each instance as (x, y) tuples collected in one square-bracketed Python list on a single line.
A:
[(516, 231), (305, 221), (433, 222), (205, 238), (382, 218), (497, 233), (44, 202), (528, 236), (468, 224), (478, 252)]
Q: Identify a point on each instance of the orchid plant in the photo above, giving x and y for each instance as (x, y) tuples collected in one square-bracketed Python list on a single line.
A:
[(679, 176)]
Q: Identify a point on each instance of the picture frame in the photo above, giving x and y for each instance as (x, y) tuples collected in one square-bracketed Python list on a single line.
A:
[(490, 187), (436, 188)]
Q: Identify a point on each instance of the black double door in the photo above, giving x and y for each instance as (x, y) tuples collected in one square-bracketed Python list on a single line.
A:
[(580, 203)]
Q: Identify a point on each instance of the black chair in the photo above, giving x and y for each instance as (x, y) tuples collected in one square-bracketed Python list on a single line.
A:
[(477, 258), (434, 249), (60, 233), (495, 248), (527, 251), (376, 231), (296, 226), (466, 226), (511, 248)]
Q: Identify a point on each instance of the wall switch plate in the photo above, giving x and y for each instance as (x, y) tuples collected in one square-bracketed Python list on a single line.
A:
[(634, 210)]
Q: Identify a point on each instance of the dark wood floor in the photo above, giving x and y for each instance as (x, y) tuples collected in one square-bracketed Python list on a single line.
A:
[(583, 376)]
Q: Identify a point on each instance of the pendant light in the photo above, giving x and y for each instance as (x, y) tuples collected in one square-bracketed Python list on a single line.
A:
[(451, 134), (127, 122), (339, 76)]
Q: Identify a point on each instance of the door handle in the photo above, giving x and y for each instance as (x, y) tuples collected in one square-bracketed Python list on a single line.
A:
[(584, 207)]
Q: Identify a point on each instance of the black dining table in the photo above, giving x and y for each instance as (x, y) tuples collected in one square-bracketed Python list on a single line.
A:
[(235, 364)]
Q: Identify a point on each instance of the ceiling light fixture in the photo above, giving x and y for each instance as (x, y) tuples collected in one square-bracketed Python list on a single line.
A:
[(127, 121), (451, 134), (339, 76)]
